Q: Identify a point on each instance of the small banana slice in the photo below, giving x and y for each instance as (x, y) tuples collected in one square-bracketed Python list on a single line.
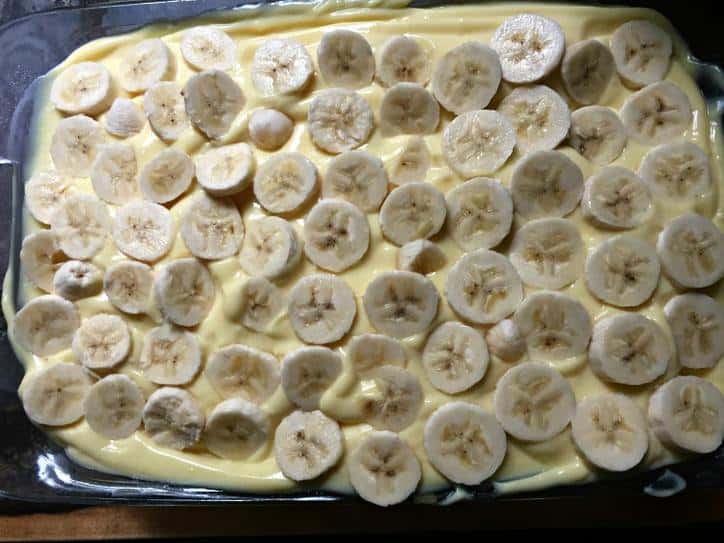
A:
[(677, 171), (691, 249), (336, 235), (262, 301), (124, 119), (271, 247), (167, 176), (413, 162), (530, 47), (269, 129), (81, 225), (212, 227), (226, 170), (483, 287), (213, 100), (145, 64), (185, 291), (400, 303), (642, 52), (321, 308), (464, 443), (74, 145), (477, 143), (40, 257), (403, 59), (54, 396), (615, 197), (339, 120), (236, 429), (173, 418), (285, 182), (623, 271), (610, 430), (370, 352), (412, 211), (170, 355), (407, 108), (243, 372), (506, 341), (113, 173), (455, 357), (597, 134), (533, 402), (697, 324), (113, 407), (281, 66), (208, 48), (306, 444), (358, 177), (144, 230), (345, 59), (129, 286), (395, 401), (165, 110), (658, 113), (479, 213), (307, 373), (540, 117), (102, 341), (85, 87), (420, 256), (587, 70), (45, 192), (75, 279)]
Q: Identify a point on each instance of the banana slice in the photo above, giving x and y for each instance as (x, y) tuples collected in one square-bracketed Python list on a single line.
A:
[(75, 279), (306, 444), (45, 192), (691, 249), (40, 257), (467, 77), (85, 87), (642, 52), (321, 308), (407, 108), (166, 111), (170, 355), (477, 143), (464, 443), (369, 352), (455, 357), (208, 48), (336, 235), (383, 469), (124, 119), (269, 129), (129, 286), (530, 47), (54, 396), (687, 413), (271, 247), (395, 401), (212, 227), (615, 197), (483, 287), (236, 429), (307, 373), (400, 303), (623, 271), (597, 134), (610, 430), (339, 120), (540, 117), (420, 256), (587, 70), (506, 341), (358, 177), (403, 59), (226, 170), (658, 113), (144, 230), (554, 326), (281, 66), (412, 211), (413, 162), (147, 63), (285, 182), (81, 225), (243, 372), (185, 291), (102, 341), (262, 301), (677, 171), (113, 173), (173, 418), (345, 59), (697, 324), (533, 402), (113, 407), (167, 176), (479, 213), (213, 100), (75, 142)]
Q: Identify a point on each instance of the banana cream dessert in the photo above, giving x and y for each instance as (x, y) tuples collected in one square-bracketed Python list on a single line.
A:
[(376, 250)]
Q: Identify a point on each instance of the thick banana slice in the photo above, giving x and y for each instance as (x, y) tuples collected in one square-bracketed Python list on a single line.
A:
[(420, 256), (345, 59), (113, 407), (129, 286), (687, 413), (658, 113), (587, 70), (403, 59), (81, 225), (144, 230), (339, 120), (610, 430), (307, 373), (75, 142), (369, 352), (185, 291), (533, 402), (412, 211), (285, 182), (477, 143), (413, 162), (173, 418), (45, 192), (243, 372), (281, 66), (102, 341), (615, 197), (40, 258), (262, 301), (530, 47), (407, 108), (269, 129), (213, 100), (464, 443), (166, 111), (212, 227), (642, 52), (623, 271), (455, 357), (226, 170), (479, 213), (75, 279), (697, 324), (400, 303), (167, 176), (236, 429), (336, 235), (306, 444), (125, 118), (85, 87), (113, 173), (145, 64), (170, 355), (54, 395), (271, 247), (597, 134), (208, 48), (677, 171), (506, 341), (321, 308), (483, 287), (395, 400), (691, 249), (358, 177)]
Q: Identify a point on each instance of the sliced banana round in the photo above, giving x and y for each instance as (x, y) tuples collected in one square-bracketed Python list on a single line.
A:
[(113, 173), (477, 143), (75, 279), (412, 211), (165, 110), (40, 257), (321, 308), (339, 120), (615, 197), (345, 59), (102, 341), (464, 443), (125, 118), (243, 372), (395, 400), (403, 59), (113, 406), (587, 70), (413, 162), (623, 271), (213, 100), (597, 134), (54, 395), (306, 444), (226, 170), (369, 352), (144, 230), (697, 324), (420, 256), (170, 355), (45, 192), (129, 286), (236, 429), (401, 303), (691, 249), (262, 302), (173, 418), (307, 373), (81, 224), (85, 87), (271, 247), (677, 171), (75, 143), (642, 52), (167, 176), (658, 113), (284, 182), (483, 287), (408, 108), (185, 291), (269, 129), (687, 413), (281, 66), (506, 341), (212, 228), (358, 177), (208, 48), (145, 64)]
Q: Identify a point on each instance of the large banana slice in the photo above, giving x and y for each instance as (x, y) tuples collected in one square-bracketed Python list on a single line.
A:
[(113, 407), (173, 418), (269, 129), (166, 111), (358, 177), (212, 227), (400, 303), (642, 52), (81, 225), (236, 429), (261, 302), (587, 70), (285, 182), (102, 341), (40, 257), (412, 211), (506, 341), (167, 176), (113, 173), (85, 87), (420, 256), (369, 352), (477, 143), (74, 145), (170, 355), (75, 279), (244, 372), (623, 271), (129, 286), (697, 324), (281, 66), (676, 171), (125, 118), (54, 395), (597, 134), (615, 197), (464, 443), (407, 108), (483, 287), (339, 120), (658, 113), (394, 401), (213, 100), (271, 247), (321, 308), (403, 59), (145, 64), (412, 163), (185, 291), (144, 230), (345, 59), (208, 48), (44, 194), (307, 373), (226, 170)]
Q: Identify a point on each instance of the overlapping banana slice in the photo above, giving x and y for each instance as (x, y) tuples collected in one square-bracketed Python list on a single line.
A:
[(185, 291), (412, 163), (271, 247), (262, 302), (587, 69), (345, 59), (76, 279), (420, 256), (165, 110), (307, 373), (125, 118), (45, 192), (505, 340), (173, 418), (339, 120), (244, 372), (369, 352), (81, 224), (394, 401), (269, 129), (113, 173), (40, 258)]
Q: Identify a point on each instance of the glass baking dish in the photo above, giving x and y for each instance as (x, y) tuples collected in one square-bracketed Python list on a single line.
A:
[(35, 469)]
